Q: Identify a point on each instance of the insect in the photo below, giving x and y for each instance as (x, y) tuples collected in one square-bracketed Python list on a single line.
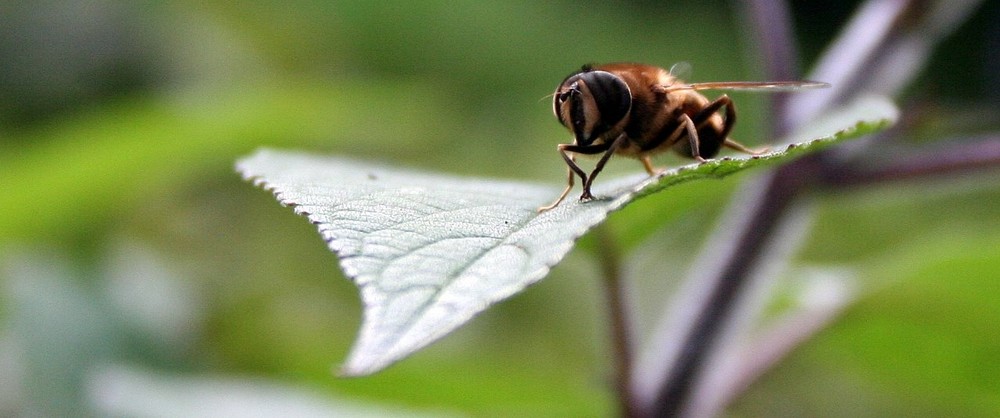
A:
[(637, 110)]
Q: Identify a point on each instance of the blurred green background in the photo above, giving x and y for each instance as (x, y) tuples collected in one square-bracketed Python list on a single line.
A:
[(135, 262)]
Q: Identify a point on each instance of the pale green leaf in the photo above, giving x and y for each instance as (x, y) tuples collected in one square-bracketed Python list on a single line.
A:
[(430, 251)]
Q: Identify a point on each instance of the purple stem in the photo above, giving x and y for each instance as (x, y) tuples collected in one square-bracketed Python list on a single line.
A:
[(960, 156), (765, 215), (773, 38), (621, 326)]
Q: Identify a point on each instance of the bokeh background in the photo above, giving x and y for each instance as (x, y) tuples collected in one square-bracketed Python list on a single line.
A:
[(141, 276)]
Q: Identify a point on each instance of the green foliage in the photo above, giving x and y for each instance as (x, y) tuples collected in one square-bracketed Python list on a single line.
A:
[(123, 148)]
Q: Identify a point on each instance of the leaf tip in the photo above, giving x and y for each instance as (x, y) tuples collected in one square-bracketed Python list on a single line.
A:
[(347, 371)]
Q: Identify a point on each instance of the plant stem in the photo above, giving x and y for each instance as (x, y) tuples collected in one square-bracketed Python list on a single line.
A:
[(771, 28), (845, 65), (960, 156), (782, 337), (772, 34), (763, 218), (621, 332), (847, 59)]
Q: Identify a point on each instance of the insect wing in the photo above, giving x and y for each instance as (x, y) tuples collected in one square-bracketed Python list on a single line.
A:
[(752, 85), (681, 70)]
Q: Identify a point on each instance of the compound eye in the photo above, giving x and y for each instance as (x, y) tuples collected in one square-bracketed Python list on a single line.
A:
[(610, 93)]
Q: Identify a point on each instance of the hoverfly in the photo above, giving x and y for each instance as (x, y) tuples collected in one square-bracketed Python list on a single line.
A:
[(638, 110)]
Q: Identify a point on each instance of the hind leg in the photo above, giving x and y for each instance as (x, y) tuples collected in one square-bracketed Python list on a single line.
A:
[(729, 143), (702, 117)]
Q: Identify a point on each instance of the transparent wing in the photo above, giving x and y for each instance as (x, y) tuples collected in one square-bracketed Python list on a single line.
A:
[(750, 85), (681, 70)]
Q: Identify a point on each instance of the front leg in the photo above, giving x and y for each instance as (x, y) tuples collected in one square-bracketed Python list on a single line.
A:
[(600, 166), (569, 186), (565, 150)]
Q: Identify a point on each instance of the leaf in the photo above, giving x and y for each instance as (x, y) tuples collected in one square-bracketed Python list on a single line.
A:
[(120, 390), (429, 251)]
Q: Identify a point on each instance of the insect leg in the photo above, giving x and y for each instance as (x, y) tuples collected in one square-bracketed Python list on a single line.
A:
[(648, 164), (692, 134), (702, 116), (727, 124), (569, 186), (743, 148), (565, 150), (684, 124), (600, 166)]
